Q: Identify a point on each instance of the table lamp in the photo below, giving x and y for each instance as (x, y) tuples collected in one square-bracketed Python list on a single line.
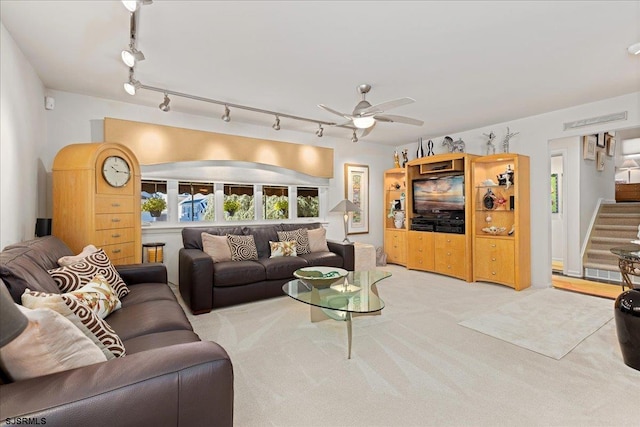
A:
[(628, 165), (12, 321), (345, 206)]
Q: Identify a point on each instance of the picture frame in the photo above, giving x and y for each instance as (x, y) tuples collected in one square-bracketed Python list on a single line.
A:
[(600, 139), (589, 147), (356, 190), (555, 205), (600, 160), (611, 145)]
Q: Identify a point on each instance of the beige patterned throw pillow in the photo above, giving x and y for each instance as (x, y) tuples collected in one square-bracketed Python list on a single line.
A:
[(300, 236), (81, 316), (75, 276), (243, 248), (279, 249), (72, 259)]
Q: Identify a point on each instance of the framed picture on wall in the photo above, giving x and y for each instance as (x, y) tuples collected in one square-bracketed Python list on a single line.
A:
[(600, 160), (611, 145), (357, 190), (600, 142), (554, 193), (589, 147)]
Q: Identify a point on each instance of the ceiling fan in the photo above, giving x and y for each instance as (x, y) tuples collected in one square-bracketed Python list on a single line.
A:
[(365, 115)]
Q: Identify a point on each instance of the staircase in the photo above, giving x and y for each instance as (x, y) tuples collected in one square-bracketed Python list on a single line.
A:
[(616, 225)]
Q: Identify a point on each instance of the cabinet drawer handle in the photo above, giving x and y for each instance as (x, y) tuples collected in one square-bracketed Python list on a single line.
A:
[(493, 259), (115, 236), (493, 245), (448, 253), (420, 250), (449, 267), (493, 273), (115, 219), (449, 240), (115, 205), (116, 251)]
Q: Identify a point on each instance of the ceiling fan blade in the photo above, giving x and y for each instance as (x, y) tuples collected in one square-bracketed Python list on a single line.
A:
[(344, 124), (385, 106), (331, 110), (399, 119), (367, 131)]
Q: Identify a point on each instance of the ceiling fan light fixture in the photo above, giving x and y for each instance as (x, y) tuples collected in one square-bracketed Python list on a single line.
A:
[(634, 49), (363, 122), (226, 117), (164, 106), (131, 56), (133, 5)]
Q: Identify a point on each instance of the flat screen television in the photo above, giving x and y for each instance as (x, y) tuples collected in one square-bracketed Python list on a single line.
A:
[(444, 193)]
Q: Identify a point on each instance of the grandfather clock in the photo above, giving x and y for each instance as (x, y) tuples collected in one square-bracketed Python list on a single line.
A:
[(96, 199)]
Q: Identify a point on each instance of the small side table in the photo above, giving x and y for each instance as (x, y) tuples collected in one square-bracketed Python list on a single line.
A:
[(628, 262), (154, 252), (365, 256)]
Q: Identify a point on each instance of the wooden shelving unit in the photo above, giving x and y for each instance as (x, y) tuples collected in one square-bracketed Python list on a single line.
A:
[(395, 243)]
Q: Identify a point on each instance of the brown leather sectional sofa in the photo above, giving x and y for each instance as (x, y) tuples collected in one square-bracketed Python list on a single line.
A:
[(205, 285), (168, 376)]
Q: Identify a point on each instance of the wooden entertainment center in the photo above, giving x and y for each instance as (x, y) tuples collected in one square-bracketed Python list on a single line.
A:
[(466, 216)]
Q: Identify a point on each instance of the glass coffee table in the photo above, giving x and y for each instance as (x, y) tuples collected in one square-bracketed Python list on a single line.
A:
[(628, 262), (355, 295)]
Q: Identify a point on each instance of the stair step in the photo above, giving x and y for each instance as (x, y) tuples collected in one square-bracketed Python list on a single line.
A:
[(609, 239), (630, 228), (601, 266)]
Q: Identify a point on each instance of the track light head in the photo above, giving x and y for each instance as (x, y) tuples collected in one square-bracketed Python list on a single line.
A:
[(164, 106), (132, 86), (131, 56), (276, 124), (354, 138), (227, 114), (133, 5), (320, 131)]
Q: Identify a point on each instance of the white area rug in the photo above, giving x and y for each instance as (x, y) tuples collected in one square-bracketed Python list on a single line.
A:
[(549, 321)]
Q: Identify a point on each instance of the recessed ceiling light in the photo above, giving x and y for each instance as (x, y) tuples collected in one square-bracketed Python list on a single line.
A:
[(634, 49)]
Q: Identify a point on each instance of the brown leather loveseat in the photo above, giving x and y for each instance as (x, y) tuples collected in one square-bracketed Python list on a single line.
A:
[(167, 377), (205, 285)]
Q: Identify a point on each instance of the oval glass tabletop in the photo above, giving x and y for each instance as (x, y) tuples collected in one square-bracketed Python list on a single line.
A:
[(629, 252), (356, 293)]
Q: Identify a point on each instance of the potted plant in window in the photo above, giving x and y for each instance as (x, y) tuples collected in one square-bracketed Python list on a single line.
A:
[(231, 206), (154, 205), (281, 206)]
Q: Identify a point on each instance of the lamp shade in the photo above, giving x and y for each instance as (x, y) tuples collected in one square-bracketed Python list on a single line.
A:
[(630, 164), (345, 206), (12, 321)]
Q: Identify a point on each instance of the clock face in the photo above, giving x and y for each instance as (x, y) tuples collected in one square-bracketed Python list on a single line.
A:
[(116, 171)]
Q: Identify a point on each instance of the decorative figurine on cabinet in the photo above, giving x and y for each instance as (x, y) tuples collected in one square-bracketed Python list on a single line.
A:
[(506, 178), (456, 146), (430, 148), (405, 159), (491, 148), (420, 151), (505, 141), (396, 159)]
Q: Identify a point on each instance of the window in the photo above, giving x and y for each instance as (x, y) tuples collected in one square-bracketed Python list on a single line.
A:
[(275, 202), (196, 201), (153, 199), (308, 202), (238, 202)]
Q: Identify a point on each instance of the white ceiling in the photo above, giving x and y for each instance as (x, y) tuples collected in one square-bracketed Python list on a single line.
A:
[(467, 64)]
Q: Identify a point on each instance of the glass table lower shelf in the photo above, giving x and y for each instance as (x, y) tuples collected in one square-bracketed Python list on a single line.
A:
[(356, 294)]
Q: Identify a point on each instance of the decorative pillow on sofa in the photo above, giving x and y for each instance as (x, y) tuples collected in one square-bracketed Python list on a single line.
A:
[(72, 259), (50, 343), (217, 247), (98, 296), (81, 316), (75, 276), (243, 248), (300, 236), (318, 240), (279, 249)]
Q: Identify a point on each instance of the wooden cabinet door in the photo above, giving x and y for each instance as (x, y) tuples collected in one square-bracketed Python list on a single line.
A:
[(450, 254), (495, 261), (420, 251), (395, 246)]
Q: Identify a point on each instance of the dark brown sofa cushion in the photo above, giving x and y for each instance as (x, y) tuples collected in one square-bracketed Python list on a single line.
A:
[(282, 267), (148, 318), (328, 259), (143, 292), (159, 340), (232, 273)]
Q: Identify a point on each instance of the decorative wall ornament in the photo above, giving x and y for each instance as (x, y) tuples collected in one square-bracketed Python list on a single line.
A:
[(505, 141)]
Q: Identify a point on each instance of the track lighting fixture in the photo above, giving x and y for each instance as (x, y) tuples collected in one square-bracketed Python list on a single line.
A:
[(131, 56), (132, 85), (354, 138), (132, 6), (319, 131), (227, 114), (276, 124), (165, 104), (634, 49)]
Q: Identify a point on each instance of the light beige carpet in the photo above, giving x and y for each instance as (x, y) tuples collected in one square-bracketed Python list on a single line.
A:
[(414, 365), (551, 322)]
